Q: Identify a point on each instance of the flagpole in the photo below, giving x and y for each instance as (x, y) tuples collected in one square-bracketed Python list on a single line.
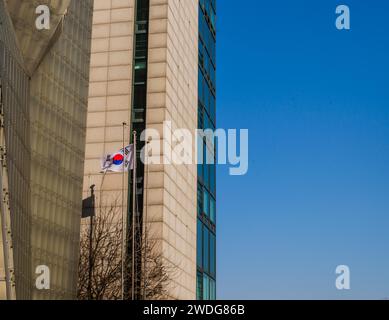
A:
[(90, 248), (90, 271), (133, 215), (146, 189), (124, 226)]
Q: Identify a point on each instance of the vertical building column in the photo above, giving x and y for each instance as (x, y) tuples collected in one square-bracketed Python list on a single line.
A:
[(172, 96)]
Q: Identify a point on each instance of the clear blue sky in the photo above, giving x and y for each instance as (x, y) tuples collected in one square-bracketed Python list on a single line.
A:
[(316, 103)]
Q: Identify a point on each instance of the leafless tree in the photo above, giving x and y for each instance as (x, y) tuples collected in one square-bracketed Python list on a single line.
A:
[(154, 279)]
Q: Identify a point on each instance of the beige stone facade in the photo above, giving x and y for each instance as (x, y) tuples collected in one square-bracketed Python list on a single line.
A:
[(172, 96), (109, 95), (172, 86)]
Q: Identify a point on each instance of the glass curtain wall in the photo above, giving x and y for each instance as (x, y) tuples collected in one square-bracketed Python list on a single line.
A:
[(206, 188)]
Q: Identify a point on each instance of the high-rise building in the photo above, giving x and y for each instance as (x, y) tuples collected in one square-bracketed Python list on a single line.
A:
[(153, 61), (44, 76)]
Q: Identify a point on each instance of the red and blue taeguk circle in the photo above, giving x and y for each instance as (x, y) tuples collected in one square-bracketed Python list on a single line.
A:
[(117, 159)]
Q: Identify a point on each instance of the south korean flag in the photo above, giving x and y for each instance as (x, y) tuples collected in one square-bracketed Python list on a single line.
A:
[(121, 161)]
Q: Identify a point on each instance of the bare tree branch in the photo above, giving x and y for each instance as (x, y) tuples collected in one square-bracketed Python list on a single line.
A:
[(154, 278)]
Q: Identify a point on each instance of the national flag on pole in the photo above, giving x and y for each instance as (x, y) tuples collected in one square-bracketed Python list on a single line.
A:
[(121, 161)]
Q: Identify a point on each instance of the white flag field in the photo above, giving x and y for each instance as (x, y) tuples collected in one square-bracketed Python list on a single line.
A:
[(120, 161)]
